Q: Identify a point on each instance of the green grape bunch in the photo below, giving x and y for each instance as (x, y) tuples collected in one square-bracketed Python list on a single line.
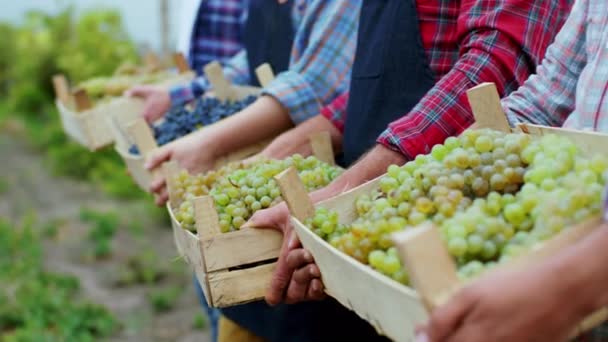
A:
[(492, 195), (240, 190)]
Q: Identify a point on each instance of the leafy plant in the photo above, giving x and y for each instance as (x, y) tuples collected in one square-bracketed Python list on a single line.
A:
[(104, 229), (36, 305), (163, 300)]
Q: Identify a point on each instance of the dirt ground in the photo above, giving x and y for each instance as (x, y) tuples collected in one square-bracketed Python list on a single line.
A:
[(31, 188)]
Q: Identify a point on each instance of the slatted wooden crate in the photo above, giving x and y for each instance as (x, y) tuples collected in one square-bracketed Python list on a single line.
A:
[(392, 308), (90, 126), (130, 129), (235, 267)]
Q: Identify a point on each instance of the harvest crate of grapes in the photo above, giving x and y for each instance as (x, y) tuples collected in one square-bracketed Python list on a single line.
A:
[(235, 265), (130, 131), (86, 119), (490, 221)]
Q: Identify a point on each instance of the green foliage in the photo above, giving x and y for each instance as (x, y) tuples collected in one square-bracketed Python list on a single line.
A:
[(36, 305), (4, 186), (142, 268), (93, 44), (163, 300), (104, 229), (200, 323)]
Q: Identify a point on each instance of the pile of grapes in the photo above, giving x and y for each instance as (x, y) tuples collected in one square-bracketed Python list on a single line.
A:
[(240, 190), (491, 194), (100, 88), (183, 120)]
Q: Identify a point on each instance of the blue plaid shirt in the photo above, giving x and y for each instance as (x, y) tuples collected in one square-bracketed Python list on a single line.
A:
[(321, 60), (217, 32)]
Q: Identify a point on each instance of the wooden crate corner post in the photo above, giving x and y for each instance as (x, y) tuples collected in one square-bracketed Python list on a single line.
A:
[(221, 86), (82, 100), (487, 110), (295, 195), (322, 147), (265, 74), (206, 217), (171, 169), (181, 63), (431, 268), (141, 133), (62, 89)]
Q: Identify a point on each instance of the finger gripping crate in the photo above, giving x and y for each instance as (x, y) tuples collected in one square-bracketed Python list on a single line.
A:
[(234, 267), (395, 309)]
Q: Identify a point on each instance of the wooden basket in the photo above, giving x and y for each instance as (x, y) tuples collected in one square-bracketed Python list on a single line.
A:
[(236, 267), (392, 308), (130, 130), (90, 126)]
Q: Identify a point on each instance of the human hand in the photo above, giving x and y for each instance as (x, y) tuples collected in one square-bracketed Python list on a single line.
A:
[(156, 101), (296, 277), (193, 153), (508, 305)]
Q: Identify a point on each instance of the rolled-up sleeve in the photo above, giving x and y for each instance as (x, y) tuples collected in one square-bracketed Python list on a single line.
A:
[(321, 60)]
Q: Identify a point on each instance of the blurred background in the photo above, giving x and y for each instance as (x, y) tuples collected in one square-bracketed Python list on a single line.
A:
[(84, 255)]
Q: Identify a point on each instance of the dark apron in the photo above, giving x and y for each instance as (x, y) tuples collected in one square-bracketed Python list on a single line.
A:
[(268, 35), (390, 73)]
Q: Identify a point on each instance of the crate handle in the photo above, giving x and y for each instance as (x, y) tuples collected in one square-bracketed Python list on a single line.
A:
[(487, 110), (265, 74), (221, 86), (62, 89), (144, 140), (82, 100), (206, 217), (181, 63), (429, 264), (295, 195), (322, 147), (171, 169)]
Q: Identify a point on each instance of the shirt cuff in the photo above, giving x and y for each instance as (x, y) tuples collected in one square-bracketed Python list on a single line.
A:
[(409, 148), (180, 95), (334, 112), (294, 93)]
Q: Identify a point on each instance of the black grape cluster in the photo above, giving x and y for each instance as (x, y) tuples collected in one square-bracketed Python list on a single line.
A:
[(183, 120)]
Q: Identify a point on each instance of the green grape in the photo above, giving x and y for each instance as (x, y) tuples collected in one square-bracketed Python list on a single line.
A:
[(457, 246), (484, 144), (474, 244)]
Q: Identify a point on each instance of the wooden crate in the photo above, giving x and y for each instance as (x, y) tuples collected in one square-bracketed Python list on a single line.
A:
[(392, 308), (91, 126), (130, 130), (236, 267)]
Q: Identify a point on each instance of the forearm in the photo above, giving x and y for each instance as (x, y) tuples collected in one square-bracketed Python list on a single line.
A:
[(264, 119), (297, 140), (370, 166)]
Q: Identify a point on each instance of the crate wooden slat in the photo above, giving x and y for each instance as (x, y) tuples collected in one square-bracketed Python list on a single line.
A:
[(91, 128), (392, 308)]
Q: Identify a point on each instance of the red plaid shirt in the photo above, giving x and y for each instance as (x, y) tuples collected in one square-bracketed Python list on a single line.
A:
[(467, 43)]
